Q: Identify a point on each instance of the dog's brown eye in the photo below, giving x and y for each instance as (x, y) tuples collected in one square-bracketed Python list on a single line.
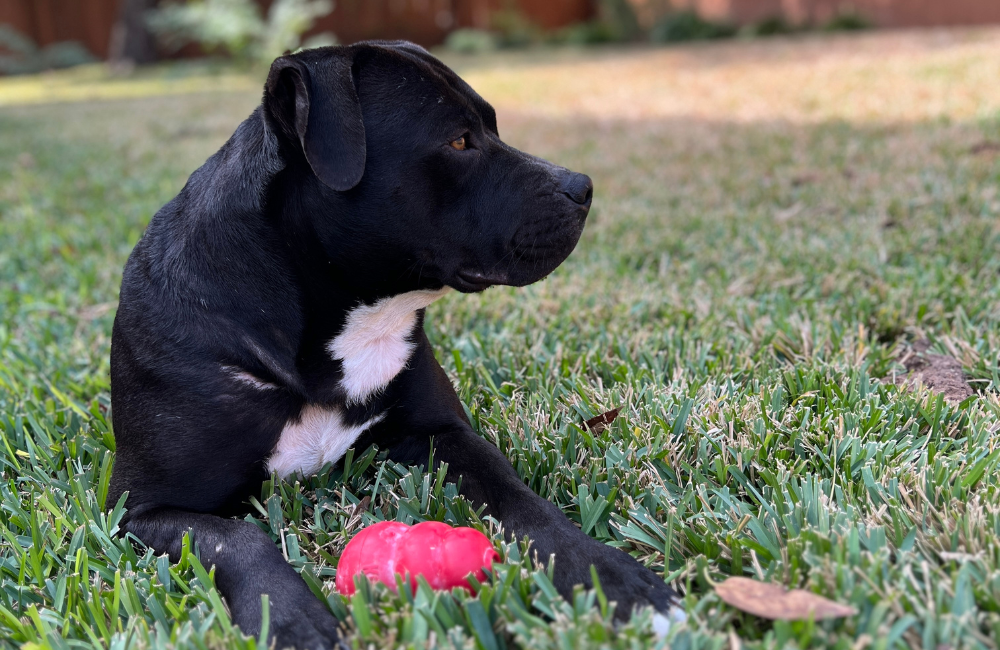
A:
[(458, 144)]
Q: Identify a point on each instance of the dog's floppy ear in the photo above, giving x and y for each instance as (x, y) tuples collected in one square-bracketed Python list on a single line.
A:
[(319, 106)]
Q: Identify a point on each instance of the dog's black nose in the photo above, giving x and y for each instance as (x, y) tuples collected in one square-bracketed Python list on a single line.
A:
[(578, 187)]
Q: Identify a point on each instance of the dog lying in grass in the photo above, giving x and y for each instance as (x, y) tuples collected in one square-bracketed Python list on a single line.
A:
[(271, 317)]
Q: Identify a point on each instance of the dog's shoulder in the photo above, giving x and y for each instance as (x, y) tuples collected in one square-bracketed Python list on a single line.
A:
[(211, 274)]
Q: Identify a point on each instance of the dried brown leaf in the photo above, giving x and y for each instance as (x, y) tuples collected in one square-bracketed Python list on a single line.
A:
[(601, 422), (986, 146), (769, 600)]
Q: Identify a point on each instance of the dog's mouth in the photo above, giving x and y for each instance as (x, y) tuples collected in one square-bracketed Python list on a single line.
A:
[(530, 266), (476, 281)]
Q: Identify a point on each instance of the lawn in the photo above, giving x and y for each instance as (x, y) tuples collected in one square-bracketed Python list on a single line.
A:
[(777, 226)]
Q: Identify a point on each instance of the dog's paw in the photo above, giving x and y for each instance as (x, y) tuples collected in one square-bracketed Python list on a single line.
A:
[(308, 626), (622, 578), (632, 585), (296, 618), (308, 634)]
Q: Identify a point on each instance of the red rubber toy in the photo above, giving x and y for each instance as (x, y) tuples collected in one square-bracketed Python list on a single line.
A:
[(443, 555)]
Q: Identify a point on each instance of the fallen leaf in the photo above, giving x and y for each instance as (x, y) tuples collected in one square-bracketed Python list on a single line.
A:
[(601, 422), (805, 178), (986, 146), (781, 216), (354, 519), (769, 600)]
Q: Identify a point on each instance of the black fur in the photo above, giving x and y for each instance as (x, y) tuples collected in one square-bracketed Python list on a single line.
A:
[(340, 189)]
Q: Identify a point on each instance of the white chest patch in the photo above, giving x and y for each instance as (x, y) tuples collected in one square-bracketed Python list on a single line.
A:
[(374, 345), (373, 348), (317, 438)]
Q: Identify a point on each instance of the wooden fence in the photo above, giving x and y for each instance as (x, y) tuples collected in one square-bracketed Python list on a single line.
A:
[(423, 21), (50, 21)]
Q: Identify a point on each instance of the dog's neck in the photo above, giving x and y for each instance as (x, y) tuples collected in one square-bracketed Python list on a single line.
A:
[(337, 275), (375, 342), (245, 166)]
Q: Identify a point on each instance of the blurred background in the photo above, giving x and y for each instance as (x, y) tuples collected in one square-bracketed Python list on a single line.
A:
[(40, 34)]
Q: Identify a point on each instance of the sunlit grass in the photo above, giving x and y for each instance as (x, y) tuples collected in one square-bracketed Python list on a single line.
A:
[(897, 77), (97, 82)]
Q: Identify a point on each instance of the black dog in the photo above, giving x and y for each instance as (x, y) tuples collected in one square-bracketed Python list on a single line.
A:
[(272, 316)]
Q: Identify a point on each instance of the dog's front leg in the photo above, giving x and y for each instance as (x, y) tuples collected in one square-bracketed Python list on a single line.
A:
[(487, 477), (247, 565), (430, 410)]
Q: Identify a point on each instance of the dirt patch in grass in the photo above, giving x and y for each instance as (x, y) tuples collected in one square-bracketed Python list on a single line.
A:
[(938, 372)]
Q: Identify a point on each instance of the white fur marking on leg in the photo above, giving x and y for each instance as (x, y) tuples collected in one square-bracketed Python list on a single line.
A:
[(663, 623), (248, 379), (374, 345), (318, 437)]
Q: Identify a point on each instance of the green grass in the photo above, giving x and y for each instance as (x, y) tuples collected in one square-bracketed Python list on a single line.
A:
[(774, 223)]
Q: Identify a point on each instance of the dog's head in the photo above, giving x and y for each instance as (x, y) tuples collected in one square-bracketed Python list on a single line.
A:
[(398, 171)]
